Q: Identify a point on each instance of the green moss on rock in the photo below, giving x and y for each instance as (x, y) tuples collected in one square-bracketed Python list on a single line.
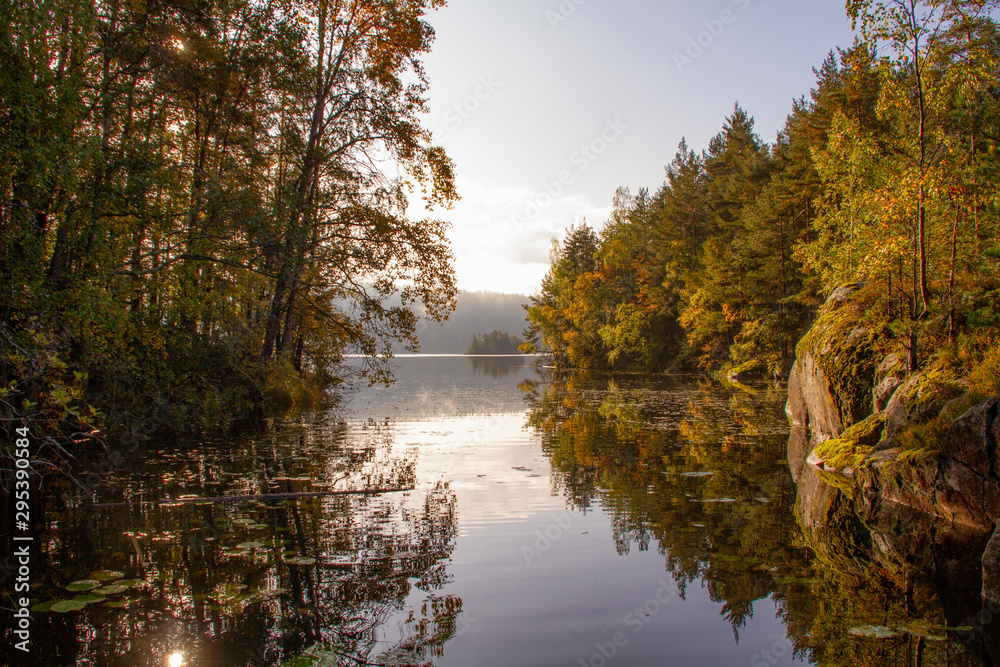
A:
[(853, 446), (848, 343)]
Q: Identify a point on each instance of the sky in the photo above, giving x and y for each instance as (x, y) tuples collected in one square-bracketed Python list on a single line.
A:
[(547, 107)]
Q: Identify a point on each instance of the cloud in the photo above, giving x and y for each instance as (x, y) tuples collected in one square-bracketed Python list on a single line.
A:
[(501, 243)]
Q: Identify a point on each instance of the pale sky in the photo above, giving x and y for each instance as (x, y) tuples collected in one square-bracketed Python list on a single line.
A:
[(548, 106)]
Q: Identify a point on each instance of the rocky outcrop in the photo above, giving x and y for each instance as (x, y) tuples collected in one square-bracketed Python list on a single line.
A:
[(958, 482), (809, 401), (895, 443), (889, 376), (918, 400), (830, 384)]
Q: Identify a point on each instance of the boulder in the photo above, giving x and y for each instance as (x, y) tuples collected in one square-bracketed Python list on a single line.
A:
[(889, 376), (972, 439), (918, 400), (957, 481), (991, 568), (812, 405), (831, 383)]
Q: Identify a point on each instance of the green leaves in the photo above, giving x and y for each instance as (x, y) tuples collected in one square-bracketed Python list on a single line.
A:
[(177, 207)]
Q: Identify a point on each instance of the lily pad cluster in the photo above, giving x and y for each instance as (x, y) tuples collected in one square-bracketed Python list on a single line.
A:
[(96, 588), (318, 655)]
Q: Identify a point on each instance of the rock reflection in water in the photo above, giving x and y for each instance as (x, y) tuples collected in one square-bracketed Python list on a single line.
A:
[(895, 588), (691, 472)]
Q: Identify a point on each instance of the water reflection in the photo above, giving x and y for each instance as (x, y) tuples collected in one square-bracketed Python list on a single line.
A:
[(256, 582), (699, 475), (899, 589), (496, 367), (640, 475), (681, 473)]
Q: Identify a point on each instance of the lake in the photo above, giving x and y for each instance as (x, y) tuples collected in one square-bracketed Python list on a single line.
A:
[(527, 518)]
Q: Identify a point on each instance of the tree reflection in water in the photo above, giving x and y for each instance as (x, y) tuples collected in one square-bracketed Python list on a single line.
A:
[(700, 474), (257, 582), (495, 367)]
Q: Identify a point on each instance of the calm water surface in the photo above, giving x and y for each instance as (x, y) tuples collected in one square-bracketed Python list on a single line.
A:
[(553, 521)]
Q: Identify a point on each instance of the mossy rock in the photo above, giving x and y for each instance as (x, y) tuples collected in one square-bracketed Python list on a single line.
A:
[(922, 398), (853, 446), (848, 346)]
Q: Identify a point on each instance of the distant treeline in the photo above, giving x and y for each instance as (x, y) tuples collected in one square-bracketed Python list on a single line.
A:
[(475, 313), (495, 342), (886, 175)]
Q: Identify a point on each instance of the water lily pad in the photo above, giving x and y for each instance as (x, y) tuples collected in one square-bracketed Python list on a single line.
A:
[(90, 598), (130, 583), (119, 604), (922, 628), (877, 631), (83, 585), (106, 575), (320, 655), (300, 560), (64, 606), (244, 522), (250, 545), (44, 606), (112, 589)]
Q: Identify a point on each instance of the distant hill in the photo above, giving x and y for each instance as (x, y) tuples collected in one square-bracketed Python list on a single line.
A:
[(477, 313)]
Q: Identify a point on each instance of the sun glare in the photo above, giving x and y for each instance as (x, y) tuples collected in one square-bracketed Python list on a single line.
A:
[(175, 659)]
